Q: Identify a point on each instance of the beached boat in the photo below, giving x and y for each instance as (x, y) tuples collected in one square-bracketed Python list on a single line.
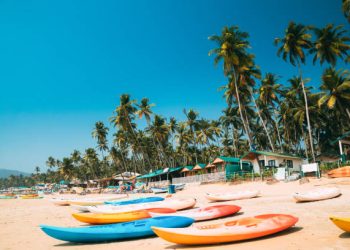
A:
[(237, 230), (178, 187), (340, 172), (205, 213), (7, 197), (134, 201), (113, 232), (342, 223), (25, 197), (120, 217), (238, 195), (172, 203), (87, 201), (317, 194)]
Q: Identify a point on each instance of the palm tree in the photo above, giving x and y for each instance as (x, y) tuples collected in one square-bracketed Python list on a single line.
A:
[(330, 44), (145, 110), (66, 168), (346, 9), (233, 45), (295, 41), (100, 132), (192, 123), (336, 87)]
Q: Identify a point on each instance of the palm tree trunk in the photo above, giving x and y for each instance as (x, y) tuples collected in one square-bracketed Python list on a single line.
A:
[(278, 132), (262, 121), (307, 114), (348, 112), (240, 109)]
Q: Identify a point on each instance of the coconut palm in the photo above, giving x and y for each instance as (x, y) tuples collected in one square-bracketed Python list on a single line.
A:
[(192, 123), (336, 87), (100, 133), (232, 50), (330, 44), (293, 45), (346, 9), (145, 110)]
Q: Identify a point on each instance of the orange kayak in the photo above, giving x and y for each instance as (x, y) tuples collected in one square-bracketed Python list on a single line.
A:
[(97, 219), (237, 230), (340, 172)]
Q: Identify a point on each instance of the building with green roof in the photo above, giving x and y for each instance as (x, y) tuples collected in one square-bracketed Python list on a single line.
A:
[(265, 159), (231, 166)]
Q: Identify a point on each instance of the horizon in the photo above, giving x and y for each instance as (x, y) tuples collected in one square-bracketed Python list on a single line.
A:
[(78, 58)]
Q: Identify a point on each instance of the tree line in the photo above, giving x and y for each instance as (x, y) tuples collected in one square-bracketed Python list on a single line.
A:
[(263, 112)]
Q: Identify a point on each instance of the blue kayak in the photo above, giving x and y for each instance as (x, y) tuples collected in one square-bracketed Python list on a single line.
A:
[(112, 232), (135, 201)]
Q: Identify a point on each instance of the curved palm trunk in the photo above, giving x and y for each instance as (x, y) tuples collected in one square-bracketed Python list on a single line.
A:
[(262, 121), (240, 110), (278, 132), (307, 115)]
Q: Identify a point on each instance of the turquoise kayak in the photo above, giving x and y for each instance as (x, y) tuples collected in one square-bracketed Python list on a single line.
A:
[(135, 201), (114, 232)]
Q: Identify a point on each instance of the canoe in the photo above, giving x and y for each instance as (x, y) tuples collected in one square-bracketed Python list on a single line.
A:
[(159, 190), (173, 203), (113, 232), (342, 223), (32, 197), (178, 187), (134, 201), (238, 195), (205, 213), (98, 219), (5, 197), (237, 230), (87, 201), (317, 194), (340, 172)]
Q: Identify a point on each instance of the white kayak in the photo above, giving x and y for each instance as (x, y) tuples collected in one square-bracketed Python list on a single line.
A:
[(317, 194), (173, 203), (90, 201), (238, 195), (204, 213)]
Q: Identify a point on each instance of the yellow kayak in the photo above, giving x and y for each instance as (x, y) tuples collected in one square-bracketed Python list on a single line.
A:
[(119, 217), (342, 223)]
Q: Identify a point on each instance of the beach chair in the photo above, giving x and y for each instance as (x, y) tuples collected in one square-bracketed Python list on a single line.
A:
[(310, 168)]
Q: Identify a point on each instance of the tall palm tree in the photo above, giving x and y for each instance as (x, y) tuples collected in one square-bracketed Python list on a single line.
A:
[(269, 92), (330, 44), (293, 45), (145, 110), (100, 133), (232, 50), (336, 87), (346, 9), (192, 123)]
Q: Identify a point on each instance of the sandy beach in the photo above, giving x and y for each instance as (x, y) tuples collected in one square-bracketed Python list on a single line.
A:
[(19, 219)]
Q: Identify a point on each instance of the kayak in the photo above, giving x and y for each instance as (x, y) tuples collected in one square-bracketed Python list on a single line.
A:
[(176, 204), (159, 190), (317, 194), (134, 201), (6, 197), (32, 197), (205, 213), (120, 217), (238, 195), (237, 230), (342, 223), (113, 232), (86, 201), (340, 172)]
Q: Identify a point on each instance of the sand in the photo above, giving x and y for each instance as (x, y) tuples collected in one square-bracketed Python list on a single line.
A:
[(19, 219)]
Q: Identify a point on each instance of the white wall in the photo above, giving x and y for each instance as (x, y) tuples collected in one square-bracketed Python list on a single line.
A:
[(296, 162)]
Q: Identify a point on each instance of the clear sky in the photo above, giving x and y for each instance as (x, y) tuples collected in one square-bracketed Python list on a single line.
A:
[(64, 64)]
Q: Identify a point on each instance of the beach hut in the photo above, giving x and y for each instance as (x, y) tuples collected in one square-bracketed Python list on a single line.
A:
[(269, 160), (231, 166), (187, 171), (200, 168), (344, 146), (161, 175)]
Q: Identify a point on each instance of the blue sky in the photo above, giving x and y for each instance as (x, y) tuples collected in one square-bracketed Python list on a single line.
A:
[(64, 64)]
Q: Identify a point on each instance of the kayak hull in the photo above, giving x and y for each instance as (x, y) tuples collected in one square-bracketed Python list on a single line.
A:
[(240, 195), (114, 232), (98, 219), (135, 201), (238, 230), (342, 223), (205, 213), (317, 195)]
